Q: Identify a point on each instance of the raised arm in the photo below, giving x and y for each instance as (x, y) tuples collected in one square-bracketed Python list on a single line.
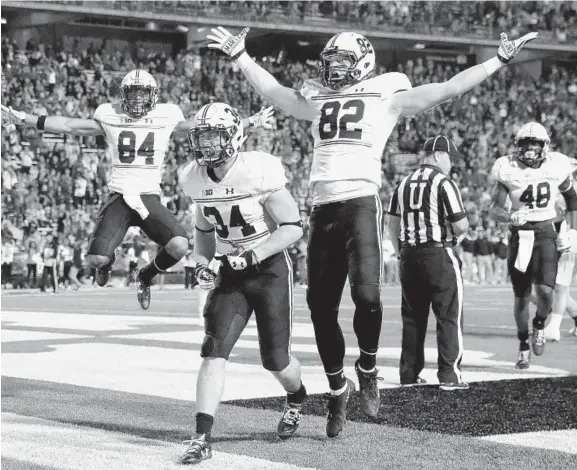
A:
[(264, 118), (56, 124), (263, 82), (424, 97)]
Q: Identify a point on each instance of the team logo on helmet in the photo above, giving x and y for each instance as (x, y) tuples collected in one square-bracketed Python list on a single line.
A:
[(532, 143), (347, 59), (217, 134), (138, 93)]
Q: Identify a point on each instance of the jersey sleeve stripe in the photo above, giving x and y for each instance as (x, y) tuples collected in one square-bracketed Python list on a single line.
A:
[(453, 198)]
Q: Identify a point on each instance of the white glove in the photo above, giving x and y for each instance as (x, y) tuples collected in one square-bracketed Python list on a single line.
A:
[(520, 217), (264, 118), (205, 276), (509, 49), (12, 116), (233, 46)]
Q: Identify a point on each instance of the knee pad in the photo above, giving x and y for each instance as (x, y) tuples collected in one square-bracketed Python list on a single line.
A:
[(213, 347), (276, 360)]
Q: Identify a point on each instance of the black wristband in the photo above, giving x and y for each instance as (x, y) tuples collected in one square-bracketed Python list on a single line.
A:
[(204, 231), (237, 55), (40, 123)]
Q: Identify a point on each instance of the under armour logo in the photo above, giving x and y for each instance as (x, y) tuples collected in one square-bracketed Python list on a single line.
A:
[(229, 190)]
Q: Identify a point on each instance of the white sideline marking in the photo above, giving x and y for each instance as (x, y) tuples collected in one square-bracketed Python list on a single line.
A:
[(67, 447), (562, 441)]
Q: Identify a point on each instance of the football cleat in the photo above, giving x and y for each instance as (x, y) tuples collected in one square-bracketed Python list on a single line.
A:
[(538, 341), (370, 398), (337, 415), (523, 359), (573, 331), (142, 292), (103, 273), (416, 383), (454, 386), (290, 420), (198, 450)]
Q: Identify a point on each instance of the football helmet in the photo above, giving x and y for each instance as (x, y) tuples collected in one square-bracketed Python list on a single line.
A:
[(347, 59), (138, 93), (217, 134), (532, 142)]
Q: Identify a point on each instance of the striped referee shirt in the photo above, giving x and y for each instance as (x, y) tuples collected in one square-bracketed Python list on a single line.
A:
[(428, 202)]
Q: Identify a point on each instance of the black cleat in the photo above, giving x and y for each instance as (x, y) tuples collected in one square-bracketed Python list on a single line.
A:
[(454, 386), (420, 381), (523, 359), (369, 399), (142, 292), (290, 420), (337, 415), (198, 450), (103, 273)]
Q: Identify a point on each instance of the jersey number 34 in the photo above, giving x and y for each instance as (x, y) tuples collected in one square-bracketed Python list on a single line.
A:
[(127, 147), (332, 122)]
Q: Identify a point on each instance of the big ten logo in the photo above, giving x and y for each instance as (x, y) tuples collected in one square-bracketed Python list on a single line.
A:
[(126, 120)]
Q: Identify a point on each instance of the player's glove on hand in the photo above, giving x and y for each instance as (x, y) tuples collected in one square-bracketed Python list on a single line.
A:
[(509, 49), (233, 46), (520, 217), (264, 118), (242, 261), (205, 276), (12, 116)]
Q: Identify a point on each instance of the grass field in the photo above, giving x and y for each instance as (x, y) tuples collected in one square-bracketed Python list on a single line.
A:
[(91, 381)]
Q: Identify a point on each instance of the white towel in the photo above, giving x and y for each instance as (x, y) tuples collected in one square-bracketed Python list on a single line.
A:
[(134, 201), (526, 241)]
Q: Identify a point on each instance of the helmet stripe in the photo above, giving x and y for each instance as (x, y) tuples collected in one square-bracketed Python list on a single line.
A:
[(335, 37)]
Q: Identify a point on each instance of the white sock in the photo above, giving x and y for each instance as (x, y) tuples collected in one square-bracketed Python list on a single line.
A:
[(555, 322), (367, 371), (336, 393)]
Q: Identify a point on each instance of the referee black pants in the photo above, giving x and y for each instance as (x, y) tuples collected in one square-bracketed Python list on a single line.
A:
[(431, 277)]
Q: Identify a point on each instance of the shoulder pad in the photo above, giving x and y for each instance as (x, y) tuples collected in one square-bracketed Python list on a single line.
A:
[(389, 83), (103, 111), (312, 88)]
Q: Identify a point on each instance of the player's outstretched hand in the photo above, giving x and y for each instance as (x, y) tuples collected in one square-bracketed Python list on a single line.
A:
[(509, 49), (264, 118), (12, 116), (205, 276), (233, 46)]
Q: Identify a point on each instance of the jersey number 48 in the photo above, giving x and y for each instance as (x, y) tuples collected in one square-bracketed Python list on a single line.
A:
[(127, 147), (538, 195)]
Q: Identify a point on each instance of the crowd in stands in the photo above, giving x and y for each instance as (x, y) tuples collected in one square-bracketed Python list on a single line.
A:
[(462, 18), (54, 186)]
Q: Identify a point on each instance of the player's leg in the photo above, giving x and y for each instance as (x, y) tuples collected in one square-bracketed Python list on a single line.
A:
[(545, 263), (364, 237), (226, 315), (270, 294), (447, 304), (327, 268), (162, 228), (561, 295), (521, 283), (112, 223), (415, 307)]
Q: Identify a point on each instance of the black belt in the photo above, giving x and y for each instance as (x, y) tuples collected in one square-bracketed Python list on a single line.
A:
[(419, 246)]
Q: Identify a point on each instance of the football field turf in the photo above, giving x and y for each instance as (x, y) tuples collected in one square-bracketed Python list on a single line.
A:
[(91, 381)]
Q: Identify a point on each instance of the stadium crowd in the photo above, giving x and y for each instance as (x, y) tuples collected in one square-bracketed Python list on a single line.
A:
[(53, 185), (460, 18)]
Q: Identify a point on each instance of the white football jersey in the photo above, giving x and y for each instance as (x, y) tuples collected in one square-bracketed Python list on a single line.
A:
[(235, 205), (138, 146), (351, 129), (535, 188)]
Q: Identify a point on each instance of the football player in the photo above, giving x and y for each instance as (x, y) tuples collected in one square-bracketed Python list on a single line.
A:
[(242, 197), (138, 131), (562, 300), (532, 178), (353, 114)]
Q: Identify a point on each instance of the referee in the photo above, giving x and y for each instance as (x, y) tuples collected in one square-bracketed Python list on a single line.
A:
[(426, 215)]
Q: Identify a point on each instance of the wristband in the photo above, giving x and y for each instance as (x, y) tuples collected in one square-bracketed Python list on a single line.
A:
[(40, 123), (492, 65)]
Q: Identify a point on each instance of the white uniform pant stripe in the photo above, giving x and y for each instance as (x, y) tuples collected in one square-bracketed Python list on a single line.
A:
[(380, 229), (459, 313), (291, 306)]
